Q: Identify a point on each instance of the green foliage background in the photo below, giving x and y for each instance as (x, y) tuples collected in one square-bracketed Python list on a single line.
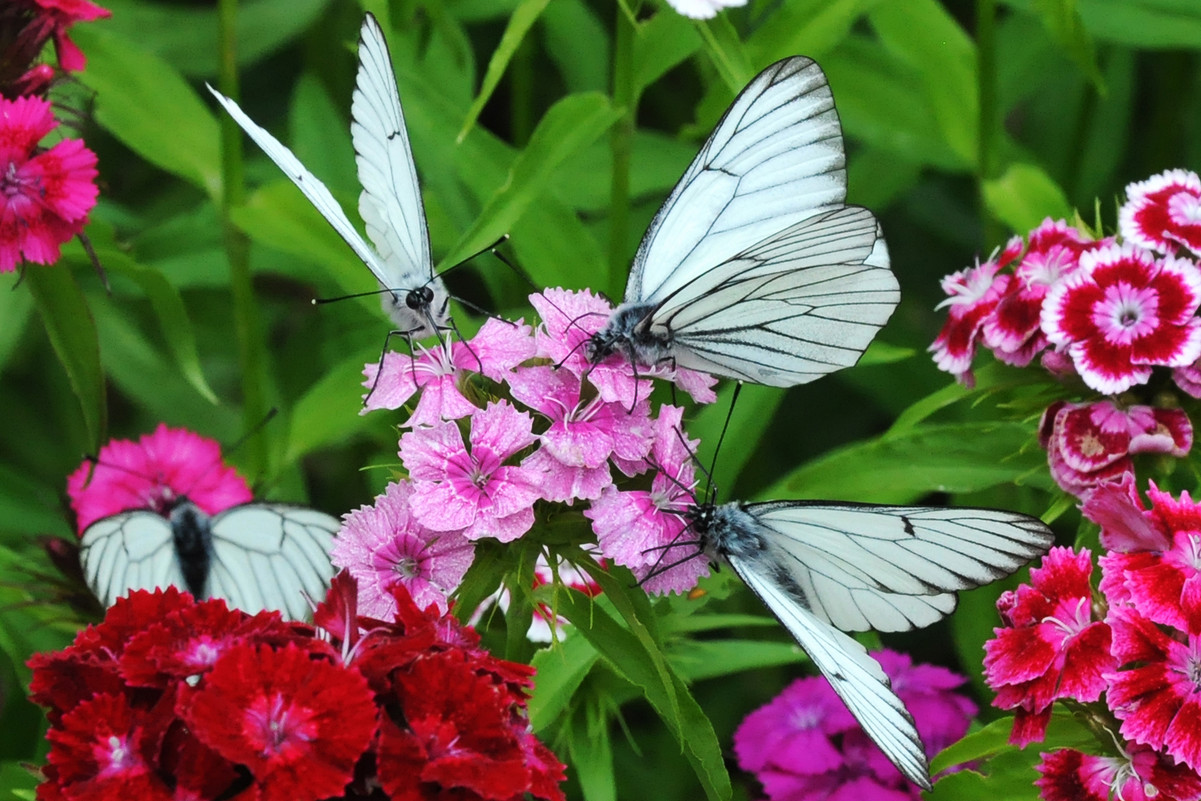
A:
[(563, 123)]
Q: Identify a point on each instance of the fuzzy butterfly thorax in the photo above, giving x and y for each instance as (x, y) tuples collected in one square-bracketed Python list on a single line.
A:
[(628, 333), (192, 532)]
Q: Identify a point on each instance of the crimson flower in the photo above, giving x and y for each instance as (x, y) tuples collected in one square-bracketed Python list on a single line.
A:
[(1136, 774), (1163, 212), (1050, 646), (45, 195), (1123, 312)]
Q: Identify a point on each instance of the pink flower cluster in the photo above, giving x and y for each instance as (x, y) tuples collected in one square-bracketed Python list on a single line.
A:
[(173, 699), (516, 420), (804, 743), (1130, 652), (1105, 311), (45, 193)]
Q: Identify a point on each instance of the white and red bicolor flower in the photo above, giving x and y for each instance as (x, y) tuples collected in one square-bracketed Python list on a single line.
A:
[(972, 297), (1122, 313), (1163, 212), (1138, 773), (1088, 443)]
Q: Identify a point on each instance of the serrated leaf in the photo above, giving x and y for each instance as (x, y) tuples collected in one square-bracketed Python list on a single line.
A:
[(561, 669)]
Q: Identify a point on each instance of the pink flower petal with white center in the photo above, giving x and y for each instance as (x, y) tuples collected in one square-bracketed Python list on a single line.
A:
[(450, 505), (503, 529), (497, 348), (974, 294), (629, 525), (690, 566), (1163, 212), (440, 400), (1092, 436), (1163, 431), (1188, 378), (427, 453)]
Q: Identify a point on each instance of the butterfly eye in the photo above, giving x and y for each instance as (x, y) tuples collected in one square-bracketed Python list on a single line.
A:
[(419, 298)]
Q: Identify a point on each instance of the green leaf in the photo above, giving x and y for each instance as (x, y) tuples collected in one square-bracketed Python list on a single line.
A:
[(569, 125), (1063, 21), (330, 411), (727, 52), (1064, 730), (948, 457), (1024, 196), (755, 410), (591, 753), (522, 19), (812, 27), (71, 330), (709, 659), (561, 670), (565, 24), (172, 316), (926, 38), (16, 307), (661, 43), (17, 781), (149, 106), (1153, 24)]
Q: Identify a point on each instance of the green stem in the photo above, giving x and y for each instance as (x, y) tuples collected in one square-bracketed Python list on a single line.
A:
[(237, 247), (621, 139), (986, 70)]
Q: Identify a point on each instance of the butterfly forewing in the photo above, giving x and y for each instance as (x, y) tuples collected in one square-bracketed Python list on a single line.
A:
[(775, 158), (129, 551), (893, 568), (795, 307), (390, 203), (857, 678)]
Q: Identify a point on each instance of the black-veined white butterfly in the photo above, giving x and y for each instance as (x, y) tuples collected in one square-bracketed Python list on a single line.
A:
[(754, 268), (256, 556), (824, 568), (390, 203)]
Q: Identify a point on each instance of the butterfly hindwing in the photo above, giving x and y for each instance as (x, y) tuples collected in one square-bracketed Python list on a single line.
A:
[(129, 551)]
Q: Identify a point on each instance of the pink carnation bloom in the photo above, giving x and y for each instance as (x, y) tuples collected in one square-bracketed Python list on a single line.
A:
[(383, 545), (1157, 694), (646, 530), (436, 373), (972, 297), (569, 319), (1123, 312), (1138, 774), (1089, 443), (1013, 331), (473, 491), (1050, 646), (1163, 212), (45, 196), (154, 473), (804, 744), (584, 434), (1154, 561)]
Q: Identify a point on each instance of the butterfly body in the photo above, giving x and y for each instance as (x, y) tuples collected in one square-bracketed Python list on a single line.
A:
[(754, 268), (256, 555)]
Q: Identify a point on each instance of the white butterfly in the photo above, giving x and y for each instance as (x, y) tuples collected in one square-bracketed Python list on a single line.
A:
[(824, 568), (255, 556), (390, 203), (753, 268)]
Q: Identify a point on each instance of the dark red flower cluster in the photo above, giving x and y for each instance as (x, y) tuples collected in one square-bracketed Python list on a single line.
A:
[(173, 699)]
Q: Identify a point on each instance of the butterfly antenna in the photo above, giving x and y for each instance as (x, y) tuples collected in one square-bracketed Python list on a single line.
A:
[(720, 439), (96, 265)]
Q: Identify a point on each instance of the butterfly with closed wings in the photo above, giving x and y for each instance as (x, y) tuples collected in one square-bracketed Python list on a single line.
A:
[(390, 203), (754, 268), (826, 568)]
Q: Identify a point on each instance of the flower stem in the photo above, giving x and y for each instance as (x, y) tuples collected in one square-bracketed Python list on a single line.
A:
[(621, 143), (986, 71), (237, 247)]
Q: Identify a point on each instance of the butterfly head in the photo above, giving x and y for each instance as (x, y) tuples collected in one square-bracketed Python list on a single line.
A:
[(628, 333), (725, 529)]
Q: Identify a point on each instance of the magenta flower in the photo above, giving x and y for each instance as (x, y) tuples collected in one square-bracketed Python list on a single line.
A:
[(1089, 443), (1155, 558), (584, 434), (436, 374), (153, 473), (1123, 312), (1137, 774), (645, 530), (1013, 331), (45, 195), (383, 545), (1050, 646), (1163, 212), (972, 297), (804, 743), (1157, 694), (569, 319), (473, 491), (59, 15)]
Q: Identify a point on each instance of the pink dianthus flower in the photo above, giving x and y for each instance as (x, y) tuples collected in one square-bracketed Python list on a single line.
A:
[(1163, 212)]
